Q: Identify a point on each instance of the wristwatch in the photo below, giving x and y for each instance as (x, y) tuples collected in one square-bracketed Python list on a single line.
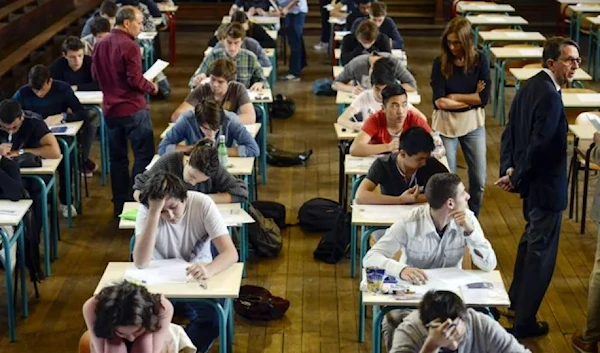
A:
[(21, 151)]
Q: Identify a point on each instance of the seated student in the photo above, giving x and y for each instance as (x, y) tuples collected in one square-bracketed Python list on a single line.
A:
[(29, 134), (369, 101), (358, 70), (380, 132), (248, 43), (255, 31), (248, 70), (401, 176), (378, 15), (433, 235), (251, 7), (360, 12), (74, 67), (148, 24), (209, 120), (174, 223), (444, 324), (201, 171), (125, 317), (100, 28), (108, 10), (364, 40), (55, 101), (232, 95)]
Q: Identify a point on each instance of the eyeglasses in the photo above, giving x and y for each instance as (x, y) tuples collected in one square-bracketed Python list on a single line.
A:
[(453, 42), (571, 61)]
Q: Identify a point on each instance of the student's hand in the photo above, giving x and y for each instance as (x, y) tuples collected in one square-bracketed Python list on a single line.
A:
[(199, 79), (413, 275), (256, 87), (409, 196), (199, 271), (356, 90), (284, 11), (357, 127), (5, 149), (54, 119), (480, 86), (441, 334), (394, 145), (156, 205), (136, 195), (461, 219), (262, 12), (597, 137)]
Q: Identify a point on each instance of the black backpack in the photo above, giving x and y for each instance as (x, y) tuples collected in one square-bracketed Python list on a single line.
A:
[(273, 210), (264, 234), (334, 243), (282, 107), (280, 158), (318, 215)]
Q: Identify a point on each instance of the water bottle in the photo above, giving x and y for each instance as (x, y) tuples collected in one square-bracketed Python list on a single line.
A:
[(438, 152), (222, 151)]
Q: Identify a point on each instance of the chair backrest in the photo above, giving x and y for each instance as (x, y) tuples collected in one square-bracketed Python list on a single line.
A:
[(131, 245), (584, 119)]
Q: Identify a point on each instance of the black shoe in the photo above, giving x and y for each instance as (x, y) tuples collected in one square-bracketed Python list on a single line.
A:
[(539, 329)]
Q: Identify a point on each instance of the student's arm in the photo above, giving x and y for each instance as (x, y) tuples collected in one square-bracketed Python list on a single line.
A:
[(10, 180), (367, 195), (49, 148), (482, 253), (179, 132), (227, 188), (258, 80), (347, 119), (407, 80), (381, 254), (146, 228), (480, 96), (200, 73), (78, 112), (342, 82), (155, 342), (228, 255), (182, 108), (362, 148), (247, 114), (246, 144), (98, 345), (133, 68)]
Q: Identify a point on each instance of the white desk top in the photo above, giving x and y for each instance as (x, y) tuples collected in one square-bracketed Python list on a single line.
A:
[(233, 214), (579, 1), (267, 71), (240, 166), (72, 128), (517, 53), (581, 100), (347, 97), (337, 70), (360, 165), (583, 132), (253, 129), (343, 133), (166, 7), (339, 35), (269, 51), (395, 52), (378, 215), (582, 8), (337, 21), (496, 20), (272, 33), (512, 36), (263, 96), (11, 213), (224, 285), (48, 167), (500, 299), (89, 97), (477, 6), (594, 20), (259, 20), (523, 74), (147, 35)]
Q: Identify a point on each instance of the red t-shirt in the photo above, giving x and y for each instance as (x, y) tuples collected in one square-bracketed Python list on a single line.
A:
[(376, 126)]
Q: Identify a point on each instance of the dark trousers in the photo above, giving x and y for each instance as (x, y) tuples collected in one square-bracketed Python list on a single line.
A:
[(294, 30), (87, 134), (325, 27), (203, 328), (137, 129), (535, 262)]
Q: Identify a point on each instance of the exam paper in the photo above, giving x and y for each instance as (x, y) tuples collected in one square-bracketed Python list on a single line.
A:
[(235, 217), (379, 212), (147, 35), (71, 130), (171, 271), (452, 276), (484, 296), (158, 67)]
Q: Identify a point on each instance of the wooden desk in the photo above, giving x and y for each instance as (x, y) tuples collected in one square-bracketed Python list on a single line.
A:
[(239, 166), (225, 285), (578, 10), (346, 98), (94, 99), (272, 33), (147, 35), (259, 20), (519, 37), (497, 20), (11, 215), (267, 71), (261, 97)]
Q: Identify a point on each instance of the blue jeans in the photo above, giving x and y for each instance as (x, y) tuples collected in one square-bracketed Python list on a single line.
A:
[(474, 149), (137, 129), (294, 28), (203, 328)]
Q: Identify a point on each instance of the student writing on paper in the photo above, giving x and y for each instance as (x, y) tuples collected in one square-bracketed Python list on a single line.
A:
[(174, 223), (378, 15), (200, 170), (209, 120), (365, 39), (221, 87), (381, 131), (369, 101), (126, 318), (444, 324), (249, 43), (431, 236), (100, 28)]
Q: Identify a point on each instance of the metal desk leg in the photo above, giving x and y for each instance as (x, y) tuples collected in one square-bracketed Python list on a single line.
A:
[(45, 189), (66, 150), (378, 315), (104, 166), (364, 240), (8, 244), (353, 231), (586, 181)]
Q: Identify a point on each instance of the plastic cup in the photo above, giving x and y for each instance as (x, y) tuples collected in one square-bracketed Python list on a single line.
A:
[(375, 279)]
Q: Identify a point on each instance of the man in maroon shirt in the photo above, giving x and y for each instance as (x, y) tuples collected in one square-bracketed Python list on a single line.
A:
[(117, 66)]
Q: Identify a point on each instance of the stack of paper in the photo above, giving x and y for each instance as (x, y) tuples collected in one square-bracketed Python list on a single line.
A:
[(159, 272)]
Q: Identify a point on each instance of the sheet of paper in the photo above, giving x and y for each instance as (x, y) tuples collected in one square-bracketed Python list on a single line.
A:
[(159, 272), (452, 276), (71, 130), (360, 163), (531, 52), (596, 122), (156, 69), (588, 97), (147, 35), (88, 96), (515, 34), (379, 212), (235, 217), (492, 296), (258, 96), (342, 33)]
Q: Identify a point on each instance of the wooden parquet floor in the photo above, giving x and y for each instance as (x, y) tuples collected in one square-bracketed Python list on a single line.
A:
[(323, 312)]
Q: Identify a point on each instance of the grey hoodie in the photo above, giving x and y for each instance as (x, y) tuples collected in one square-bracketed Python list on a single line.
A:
[(484, 335), (358, 70)]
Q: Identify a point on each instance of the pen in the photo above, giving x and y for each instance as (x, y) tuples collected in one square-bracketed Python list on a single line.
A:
[(10, 138)]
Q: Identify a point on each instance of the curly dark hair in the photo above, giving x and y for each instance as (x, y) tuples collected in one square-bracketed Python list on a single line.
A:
[(126, 304), (204, 157)]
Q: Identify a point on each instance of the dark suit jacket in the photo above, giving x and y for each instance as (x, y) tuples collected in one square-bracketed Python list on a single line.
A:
[(534, 143)]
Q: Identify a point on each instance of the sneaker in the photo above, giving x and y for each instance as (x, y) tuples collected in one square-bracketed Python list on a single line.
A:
[(321, 46), (289, 77), (65, 211), (89, 167), (582, 346)]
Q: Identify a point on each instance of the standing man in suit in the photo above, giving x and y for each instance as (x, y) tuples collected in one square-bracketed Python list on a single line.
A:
[(534, 164)]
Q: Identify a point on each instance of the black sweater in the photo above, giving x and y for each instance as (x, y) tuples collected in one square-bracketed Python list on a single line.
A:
[(352, 48), (82, 78), (257, 32)]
